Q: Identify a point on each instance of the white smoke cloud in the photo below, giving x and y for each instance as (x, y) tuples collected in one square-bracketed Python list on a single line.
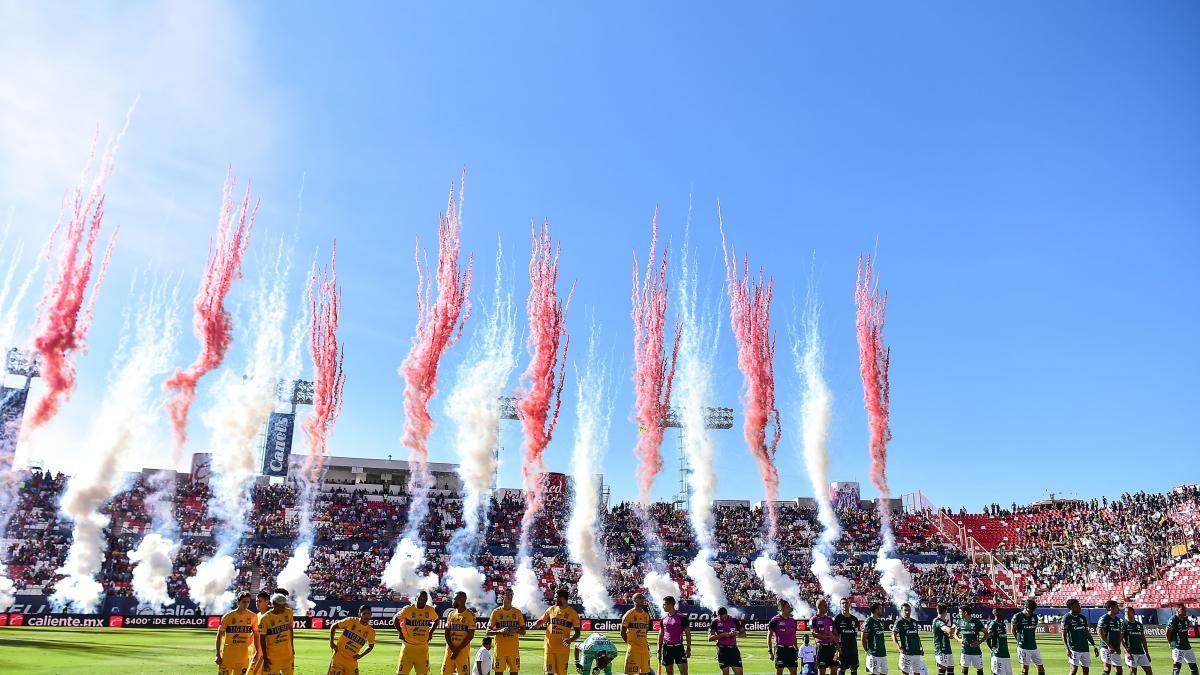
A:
[(209, 586), (527, 592), (152, 560), (583, 529), (780, 584), (469, 580), (294, 577), (710, 592), (10, 307), (7, 593), (126, 412), (402, 574), (660, 585), (895, 579)]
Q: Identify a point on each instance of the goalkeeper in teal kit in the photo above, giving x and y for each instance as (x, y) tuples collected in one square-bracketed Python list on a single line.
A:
[(598, 654)]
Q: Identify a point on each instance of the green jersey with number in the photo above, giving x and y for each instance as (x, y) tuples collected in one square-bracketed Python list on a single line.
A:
[(1075, 630), (1179, 635), (909, 634), (1025, 626), (941, 641), (970, 630), (1134, 637), (1109, 629), (998, 639), (873, 631)]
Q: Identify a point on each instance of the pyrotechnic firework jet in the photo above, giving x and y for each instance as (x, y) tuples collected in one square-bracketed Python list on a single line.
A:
[(874, 357), (541, 395), (8, 594), (294, 576), (779, 584), (126, 412), (438, 327), (584, 535), (153, 559), (816, 413), (234, 423), (12, 299), (661, 585), (474, 407)]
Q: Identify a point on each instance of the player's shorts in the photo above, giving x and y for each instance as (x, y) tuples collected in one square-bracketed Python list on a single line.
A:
[(413, 658), (507, 663), (944, 660), (971, 661), (1001, 666), (826, 656), (280, 667), (848, 658), (241, 669), (1137, 660), (341, 667), (460, 664), (1083, 659), (877, 665), (729, 656), (1183, 656), (1028, 657), (911, 663), (637, 659), (1110, 657), (786, 656), (674, 655), (556, 662)]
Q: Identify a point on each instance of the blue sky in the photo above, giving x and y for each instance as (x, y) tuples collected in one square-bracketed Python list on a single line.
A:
[(1027, 170)]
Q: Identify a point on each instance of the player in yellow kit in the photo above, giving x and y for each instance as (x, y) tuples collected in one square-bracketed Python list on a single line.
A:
[(460, 628), (562, 628), (416, 625), (277, 638), (348, 650), (262, 605), (507, 625), (635, 626), (238, 632)]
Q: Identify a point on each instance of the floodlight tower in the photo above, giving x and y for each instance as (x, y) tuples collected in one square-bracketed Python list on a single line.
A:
[(280, 428), (508, 411), (714, 418), (22, 363)]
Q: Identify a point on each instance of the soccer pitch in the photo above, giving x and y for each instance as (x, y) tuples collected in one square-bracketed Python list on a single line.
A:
[(179, 651)]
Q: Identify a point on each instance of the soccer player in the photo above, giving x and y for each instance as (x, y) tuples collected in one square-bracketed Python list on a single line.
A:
[(598, 654), (781, 639), (635, 627), (262, 605), (1024, 630), (906, 633), (460, 629), (1177, 636), (943, 655), (1077, 638), (561, 622), (997, 640), (1137, 652), (971, 634), (725, 630), (483, 657), (674, 639), (845, 627), (416, 625), (1109, 629), (507, 624), (348, 649), (238, 632), (277, 638), (873, 642), (822, 630)]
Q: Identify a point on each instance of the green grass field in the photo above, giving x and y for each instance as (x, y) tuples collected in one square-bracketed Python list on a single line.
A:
[(179, 651)]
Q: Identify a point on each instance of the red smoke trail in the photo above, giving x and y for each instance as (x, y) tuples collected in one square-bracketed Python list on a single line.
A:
[(652, 376), (547, 327), (328, 357), (212, 324), (63, 318), (750, 319), (438, 327), (873, 360)]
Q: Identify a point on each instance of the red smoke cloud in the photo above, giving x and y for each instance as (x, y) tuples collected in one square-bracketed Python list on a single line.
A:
[(328, 357), (873, 360)]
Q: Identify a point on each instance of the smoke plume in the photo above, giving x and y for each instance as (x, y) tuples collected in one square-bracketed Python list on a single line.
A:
[(660, 585), (7, 595), (153, 559), (403, 572), (779, 584), (527, 591), (294, 577)]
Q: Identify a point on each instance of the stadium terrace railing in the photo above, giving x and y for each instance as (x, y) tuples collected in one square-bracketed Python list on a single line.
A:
[(1003, 579)]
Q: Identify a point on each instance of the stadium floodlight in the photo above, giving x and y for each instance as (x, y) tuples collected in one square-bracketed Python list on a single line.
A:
[(23, 362), (714, 418), (295, 392)]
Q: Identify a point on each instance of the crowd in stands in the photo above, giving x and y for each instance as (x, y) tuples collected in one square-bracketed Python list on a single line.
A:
[(356, 528)]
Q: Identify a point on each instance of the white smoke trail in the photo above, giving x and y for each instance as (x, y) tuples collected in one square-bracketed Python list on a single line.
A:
[(816, 414), (235, 422), (661, 585), (527, 592), (126, 412), (153, 560), (473, 406), (403, 572), (294, 577), (896, 581), (780, 584), (591, 438), (7, 593)]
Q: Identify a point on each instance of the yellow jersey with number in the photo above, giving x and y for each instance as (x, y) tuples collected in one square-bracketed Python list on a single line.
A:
[(636, 623), (561, 624), (239, 627), (354, 636), (276, 631), (507, 645), (416, 624)]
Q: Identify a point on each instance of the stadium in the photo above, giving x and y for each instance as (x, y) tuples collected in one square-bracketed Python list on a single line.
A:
[(777, 339)]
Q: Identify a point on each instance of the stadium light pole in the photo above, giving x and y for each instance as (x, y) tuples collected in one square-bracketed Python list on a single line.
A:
[(22, 363), (293, 393), (508, 411), (714, 418)]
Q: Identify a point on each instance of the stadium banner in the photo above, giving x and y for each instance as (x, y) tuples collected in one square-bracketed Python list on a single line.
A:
[(277, 446)]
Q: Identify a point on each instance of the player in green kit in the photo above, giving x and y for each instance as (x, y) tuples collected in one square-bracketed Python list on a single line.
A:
[(873, 641), (906, 633), (1137, 654), (971, 634), (1024, 630), (997, 641), (1177, 636), (942, 654), (1109, 630), (1077, 638)]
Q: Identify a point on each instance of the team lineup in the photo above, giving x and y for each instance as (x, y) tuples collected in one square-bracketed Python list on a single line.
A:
[(262, 642)]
